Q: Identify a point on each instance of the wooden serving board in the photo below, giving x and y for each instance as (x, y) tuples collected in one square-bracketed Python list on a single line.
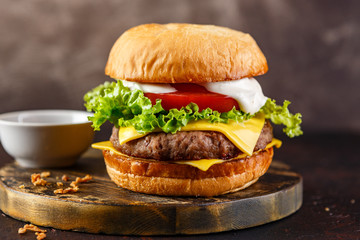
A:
[(101, 207)]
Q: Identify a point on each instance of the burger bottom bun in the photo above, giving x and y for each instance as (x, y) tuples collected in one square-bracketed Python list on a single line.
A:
[(170, 179)]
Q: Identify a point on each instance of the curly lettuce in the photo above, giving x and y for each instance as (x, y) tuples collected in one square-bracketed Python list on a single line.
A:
[(122, 107), (281, 115)]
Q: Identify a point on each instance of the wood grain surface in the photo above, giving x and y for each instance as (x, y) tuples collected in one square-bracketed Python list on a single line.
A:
[(101, 207)]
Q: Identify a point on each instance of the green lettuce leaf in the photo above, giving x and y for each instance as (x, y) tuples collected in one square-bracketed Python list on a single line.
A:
[(281, 115), (122, 107)]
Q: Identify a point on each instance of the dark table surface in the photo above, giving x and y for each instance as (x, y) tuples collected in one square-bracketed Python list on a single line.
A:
[(330, 166)]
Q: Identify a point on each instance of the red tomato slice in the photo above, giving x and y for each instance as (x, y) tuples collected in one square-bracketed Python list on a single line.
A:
[(191, 93)]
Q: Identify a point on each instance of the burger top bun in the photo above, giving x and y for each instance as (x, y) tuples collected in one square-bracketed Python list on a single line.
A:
[(184, 53)]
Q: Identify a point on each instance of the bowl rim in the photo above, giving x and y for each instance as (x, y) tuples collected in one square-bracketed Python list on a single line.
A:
[(44, 111)]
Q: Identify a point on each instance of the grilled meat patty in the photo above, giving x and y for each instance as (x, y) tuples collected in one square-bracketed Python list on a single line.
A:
[(192, 145)]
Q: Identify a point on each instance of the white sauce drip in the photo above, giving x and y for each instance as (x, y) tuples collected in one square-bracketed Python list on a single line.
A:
[(149, 87), (246, 91)]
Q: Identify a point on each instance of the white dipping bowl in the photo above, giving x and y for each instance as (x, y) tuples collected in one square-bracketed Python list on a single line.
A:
[(46, 138)]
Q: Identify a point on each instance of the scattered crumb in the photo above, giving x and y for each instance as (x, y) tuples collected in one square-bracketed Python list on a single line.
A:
[(67, 190), (327, 209), (80, 180), (21, 230), (59, 191), (84, 179), (40, 236), (40, 233), (30, 227), (37, 180), (45, 174), (73, 184), (352, 201), (35, 177), (22, 186), (65, 178)]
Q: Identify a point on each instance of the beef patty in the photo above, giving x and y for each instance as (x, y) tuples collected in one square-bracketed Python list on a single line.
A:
[(192, 145)]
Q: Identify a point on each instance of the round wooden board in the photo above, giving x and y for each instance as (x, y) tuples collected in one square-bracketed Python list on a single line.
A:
[(101, 207)]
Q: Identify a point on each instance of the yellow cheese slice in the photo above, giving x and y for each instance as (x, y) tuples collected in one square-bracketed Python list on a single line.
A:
[(205, 164), (126, 134), (202, 164), (106, 145), (243, 135), (274, 142)]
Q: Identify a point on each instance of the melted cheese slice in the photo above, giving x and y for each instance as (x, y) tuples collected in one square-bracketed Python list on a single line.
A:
[(243, 135), (205, 164), (202, 164), (106, 145)]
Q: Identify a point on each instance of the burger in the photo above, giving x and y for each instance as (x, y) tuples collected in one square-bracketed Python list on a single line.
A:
[(189, 118)]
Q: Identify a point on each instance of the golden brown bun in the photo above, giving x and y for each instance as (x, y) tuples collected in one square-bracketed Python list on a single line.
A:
[(163, 178), (183, 53)]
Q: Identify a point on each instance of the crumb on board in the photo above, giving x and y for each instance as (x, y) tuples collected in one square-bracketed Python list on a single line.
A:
[(67, 190), (45, 174), (22, 186), (84, 179), (37, 180), (65, 178), (40, 233), (352, 201), (73, 185), (327, 209), (30, 227), (81, 180), (40, 236)]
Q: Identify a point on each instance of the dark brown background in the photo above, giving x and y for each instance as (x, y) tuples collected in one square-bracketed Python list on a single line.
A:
[(52, 52)]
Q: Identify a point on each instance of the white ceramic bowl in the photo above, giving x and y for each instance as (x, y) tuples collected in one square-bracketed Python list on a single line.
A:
[(46, 138)]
